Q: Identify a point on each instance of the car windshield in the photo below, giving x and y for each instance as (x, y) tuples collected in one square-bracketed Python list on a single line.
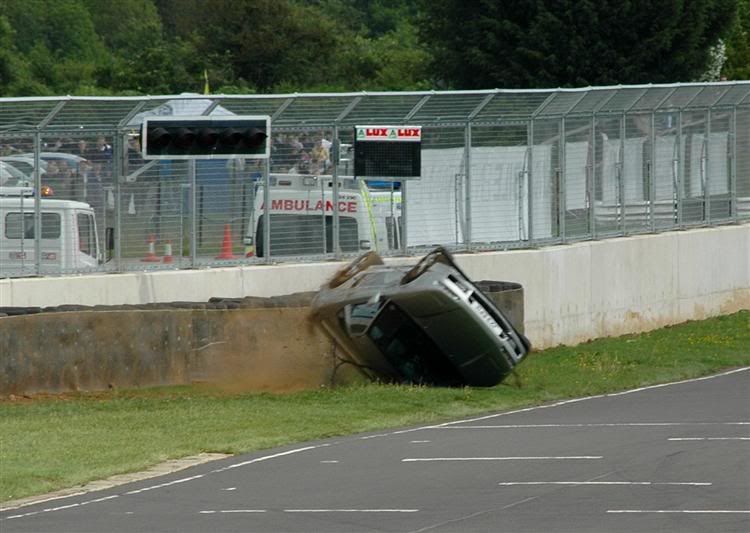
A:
[(410, 350)]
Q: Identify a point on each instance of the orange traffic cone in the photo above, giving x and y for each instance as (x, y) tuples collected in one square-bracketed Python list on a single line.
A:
[(226, 245), (151, 256), (168, 253)]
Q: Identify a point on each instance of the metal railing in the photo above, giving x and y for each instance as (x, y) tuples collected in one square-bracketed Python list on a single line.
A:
[(500, 169)]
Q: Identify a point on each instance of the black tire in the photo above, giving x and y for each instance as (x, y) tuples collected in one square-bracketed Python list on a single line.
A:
[(363, 262), (438, 255)]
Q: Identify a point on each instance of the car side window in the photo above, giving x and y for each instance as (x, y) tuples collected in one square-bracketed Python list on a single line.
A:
[(357, 318)]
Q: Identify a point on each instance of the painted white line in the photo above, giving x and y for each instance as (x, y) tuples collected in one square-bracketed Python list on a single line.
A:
[(351, 510), (330, 462), (521, 458), (693, 380), (687, 511), (162, 485), (594, 425), (586, 398), (229, 511), (576, 483), (268, 457), (419, 442), (45, 500), (60, 508), (229, 489), (709, 438)]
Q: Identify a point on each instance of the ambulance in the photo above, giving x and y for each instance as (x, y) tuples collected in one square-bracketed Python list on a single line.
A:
[(301, 217), (68, 243)]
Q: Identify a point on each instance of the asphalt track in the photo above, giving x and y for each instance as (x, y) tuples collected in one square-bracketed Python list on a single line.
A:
[(670, 458)]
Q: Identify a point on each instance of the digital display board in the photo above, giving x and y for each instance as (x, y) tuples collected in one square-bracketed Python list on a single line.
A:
[(388, 152)]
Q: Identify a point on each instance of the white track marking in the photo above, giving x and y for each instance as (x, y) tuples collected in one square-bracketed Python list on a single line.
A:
[(368, 437), (687, 511), (52, 509), (351, 510), (593, 425), (240, 511), (268, 457), (229, 489), (521, 458), (330, 462), (162, 485), (577, 483), (576, 400), (709, 438), (419, 442), (439, 426)]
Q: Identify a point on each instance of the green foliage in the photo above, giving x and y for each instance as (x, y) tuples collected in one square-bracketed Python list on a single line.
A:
[(525, 43), (737, 66), (165, 46)]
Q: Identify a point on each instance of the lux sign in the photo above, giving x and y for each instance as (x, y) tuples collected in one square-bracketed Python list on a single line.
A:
[(389, 133)]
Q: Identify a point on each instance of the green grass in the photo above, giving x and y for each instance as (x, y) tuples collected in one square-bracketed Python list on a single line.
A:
[(51, 442)]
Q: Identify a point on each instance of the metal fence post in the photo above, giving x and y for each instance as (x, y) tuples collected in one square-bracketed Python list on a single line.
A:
[(562, 185), (267, 211), (590, 186), (467, 186), (404, 219), (707, 186), (733, 170), (37, 205), (193, 213), (529, 185), (335, 192), (680, 193), (651, 180), (621, 174)]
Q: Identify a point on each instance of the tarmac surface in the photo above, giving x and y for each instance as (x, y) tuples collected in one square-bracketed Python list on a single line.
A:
[(671, 458)]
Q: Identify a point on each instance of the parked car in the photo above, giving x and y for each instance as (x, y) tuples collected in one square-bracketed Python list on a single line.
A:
[(10, 176), (25, 164), (428, 324)]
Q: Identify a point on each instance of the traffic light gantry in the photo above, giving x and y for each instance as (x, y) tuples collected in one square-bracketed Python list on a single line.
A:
[(206, 137)]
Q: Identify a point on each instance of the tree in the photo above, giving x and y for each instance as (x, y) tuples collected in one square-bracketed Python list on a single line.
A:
[(532, 43), (58, 43), (264, 42), (737, 66)]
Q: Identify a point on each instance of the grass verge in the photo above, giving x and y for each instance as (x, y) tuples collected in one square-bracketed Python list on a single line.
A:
[(51, 442)]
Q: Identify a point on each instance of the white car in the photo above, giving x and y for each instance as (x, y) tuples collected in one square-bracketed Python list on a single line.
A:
[(10, 176), (25, 164)]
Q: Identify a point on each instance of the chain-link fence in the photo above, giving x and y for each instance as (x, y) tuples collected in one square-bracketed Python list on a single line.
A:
[(500, 169)]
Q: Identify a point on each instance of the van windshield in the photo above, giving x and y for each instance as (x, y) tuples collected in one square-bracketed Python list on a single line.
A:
[(306, 234), (410, 350)]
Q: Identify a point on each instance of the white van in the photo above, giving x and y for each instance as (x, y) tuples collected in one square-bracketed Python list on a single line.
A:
[(69, 240), (301, 216)]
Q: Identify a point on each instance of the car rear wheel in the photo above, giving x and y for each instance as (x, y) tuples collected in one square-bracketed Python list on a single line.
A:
[(363, 262), (438, 255)]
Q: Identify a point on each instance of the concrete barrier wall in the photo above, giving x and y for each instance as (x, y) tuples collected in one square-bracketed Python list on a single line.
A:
[(572, 292), (239, 349)]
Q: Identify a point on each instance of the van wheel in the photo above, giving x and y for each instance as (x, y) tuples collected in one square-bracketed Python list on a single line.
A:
[(363, 262), (438, 255)]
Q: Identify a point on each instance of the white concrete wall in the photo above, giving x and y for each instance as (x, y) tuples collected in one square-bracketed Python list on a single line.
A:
[(572, 293)]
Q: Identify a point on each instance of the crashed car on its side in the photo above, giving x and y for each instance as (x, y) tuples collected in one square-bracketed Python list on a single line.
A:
[(428, 324)]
